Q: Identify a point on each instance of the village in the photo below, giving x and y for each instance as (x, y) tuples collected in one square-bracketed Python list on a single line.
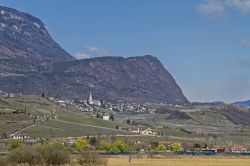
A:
[(105, 110)]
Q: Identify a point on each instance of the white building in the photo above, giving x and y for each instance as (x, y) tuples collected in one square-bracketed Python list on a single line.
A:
[(90, 99), (21, 137), (106, 116), (148, 131)]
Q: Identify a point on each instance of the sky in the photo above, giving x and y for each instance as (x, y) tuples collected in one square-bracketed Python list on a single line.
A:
[(204, 44)]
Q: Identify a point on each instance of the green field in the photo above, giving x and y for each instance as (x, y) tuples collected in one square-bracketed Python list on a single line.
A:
[(40, 107), (83, 119), (54, 128)]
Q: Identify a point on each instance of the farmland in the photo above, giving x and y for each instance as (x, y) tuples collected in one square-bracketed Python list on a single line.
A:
[(188, 124), (181, 161)]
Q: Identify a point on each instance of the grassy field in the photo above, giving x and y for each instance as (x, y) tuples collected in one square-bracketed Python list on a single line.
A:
[(180, 161), (38, 106), (171, 132), (83, 119), (64, 129)]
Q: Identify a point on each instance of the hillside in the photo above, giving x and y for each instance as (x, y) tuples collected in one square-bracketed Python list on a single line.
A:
[(38, 117), (242, 103), (31, 62), (25, 38), (134, 79)]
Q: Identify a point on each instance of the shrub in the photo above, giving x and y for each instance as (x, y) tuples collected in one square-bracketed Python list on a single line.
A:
[(161, 147), (4, 135), (56, 154), (25, 154), (120, 145), (116, 147), (176, 146), (154, 145), (14, 144), (93, 141), (81, 144), (92, 159), (3, 161), (105, 146)]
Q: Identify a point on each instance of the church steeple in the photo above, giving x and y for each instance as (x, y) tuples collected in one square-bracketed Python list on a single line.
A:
[(90, 99)]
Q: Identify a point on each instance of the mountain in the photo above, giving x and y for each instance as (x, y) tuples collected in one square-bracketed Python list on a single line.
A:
[(242, 103), (134, 79), (31, 62), (25, 43), (26, 50)]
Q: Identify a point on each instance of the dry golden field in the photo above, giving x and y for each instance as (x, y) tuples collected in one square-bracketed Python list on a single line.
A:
[(182, 161)]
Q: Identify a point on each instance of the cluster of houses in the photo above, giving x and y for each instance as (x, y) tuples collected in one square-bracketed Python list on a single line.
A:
[(129, 108), (90, 105), (142, 130), (9, 95), (79, 105)]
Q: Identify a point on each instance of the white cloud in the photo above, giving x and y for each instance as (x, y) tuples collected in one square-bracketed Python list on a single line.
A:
[(212, 8), (215, 8), (241, 5), (81, 55), (91, 52)]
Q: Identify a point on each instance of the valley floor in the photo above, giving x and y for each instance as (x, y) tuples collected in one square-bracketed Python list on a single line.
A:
[(180, 161)]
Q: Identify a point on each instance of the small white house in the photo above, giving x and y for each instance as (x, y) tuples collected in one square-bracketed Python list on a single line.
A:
[(21, 137), (106, 116), (148, 131)]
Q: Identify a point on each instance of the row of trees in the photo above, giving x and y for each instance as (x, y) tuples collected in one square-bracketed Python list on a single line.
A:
[(116, 147), (176, 146)]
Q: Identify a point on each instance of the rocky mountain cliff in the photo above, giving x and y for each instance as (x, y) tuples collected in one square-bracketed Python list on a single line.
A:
[(25, 44), (131, 79), (31, 62)]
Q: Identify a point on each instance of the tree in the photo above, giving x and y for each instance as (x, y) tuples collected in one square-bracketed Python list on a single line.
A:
[(105, 145), (112, 117), (196, 146), (43, 95), (116, 147), (14, 144), (93, 141), (80, 145), (98, 115), (117, 127), (176, 146), (161, 147), (154, 145), (120, 145), (4, 135)]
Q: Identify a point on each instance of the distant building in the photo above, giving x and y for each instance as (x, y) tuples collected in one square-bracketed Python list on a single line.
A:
[(105, 116), (238, 149), (11, 95), (97, 102), (148, 131), (90, 99), (62, 103), (21, 137)]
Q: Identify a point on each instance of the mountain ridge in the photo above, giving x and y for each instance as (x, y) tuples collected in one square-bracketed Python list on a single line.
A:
[(242, 103), (31, 62)]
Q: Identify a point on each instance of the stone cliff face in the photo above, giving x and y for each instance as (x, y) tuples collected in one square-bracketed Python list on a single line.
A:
[(31, 62), (134, 79), (25, 44)]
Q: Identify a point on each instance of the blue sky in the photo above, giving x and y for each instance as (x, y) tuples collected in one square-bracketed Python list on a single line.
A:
[(205, 45)]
